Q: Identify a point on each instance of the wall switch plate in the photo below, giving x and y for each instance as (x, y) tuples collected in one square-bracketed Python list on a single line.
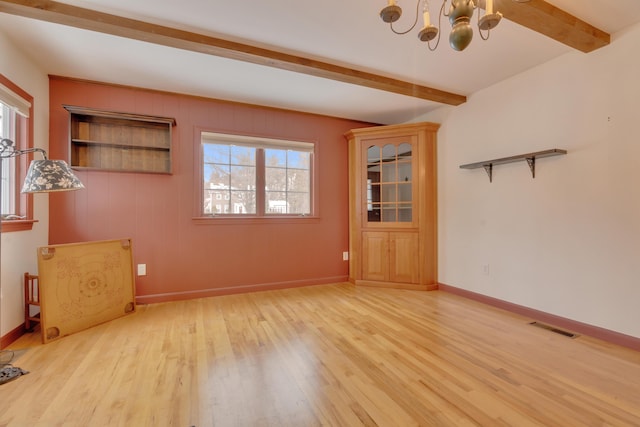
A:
[(142, 269), (345, 256)]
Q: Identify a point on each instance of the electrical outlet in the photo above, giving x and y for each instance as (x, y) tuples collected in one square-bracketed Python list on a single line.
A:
[(485, 269), (345, 256), (142, 269)]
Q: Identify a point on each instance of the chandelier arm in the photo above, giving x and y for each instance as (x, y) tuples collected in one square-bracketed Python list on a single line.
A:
[(440, 15), (480, 30), (401, 33), (442, 10)]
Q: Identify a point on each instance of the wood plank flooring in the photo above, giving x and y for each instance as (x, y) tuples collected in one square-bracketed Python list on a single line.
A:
[(333, 355)]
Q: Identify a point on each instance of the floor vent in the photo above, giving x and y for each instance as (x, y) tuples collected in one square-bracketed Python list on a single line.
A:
[(554, 329)]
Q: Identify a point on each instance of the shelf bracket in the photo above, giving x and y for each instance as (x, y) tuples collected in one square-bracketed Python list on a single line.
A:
[(489, 170), (531, 161)]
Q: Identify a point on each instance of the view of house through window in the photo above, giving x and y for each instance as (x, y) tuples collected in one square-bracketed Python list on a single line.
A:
[(255, 176)]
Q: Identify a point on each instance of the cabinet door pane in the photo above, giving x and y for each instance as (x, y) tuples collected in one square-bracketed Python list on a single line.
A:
[(405, 151), (389, 172), (404, 172), (404, 192), (389, 214), (389, 182), (373, 174), (405, 213)]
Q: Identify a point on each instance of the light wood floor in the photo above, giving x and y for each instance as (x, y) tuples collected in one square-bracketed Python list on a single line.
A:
[(325, 355)]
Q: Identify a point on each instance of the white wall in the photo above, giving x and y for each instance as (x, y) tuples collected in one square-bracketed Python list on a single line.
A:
[(568, 241), (19, 248)]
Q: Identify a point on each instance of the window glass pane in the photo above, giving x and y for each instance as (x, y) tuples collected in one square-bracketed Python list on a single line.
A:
[(277, 202), (298, 159), (7, 130), (216, 201), (275, 157), (215, 153), (216, 174), (299, 203), (243, 202), (243, 178), (243, 155), (298, 180), (275, 179), (208, 202)]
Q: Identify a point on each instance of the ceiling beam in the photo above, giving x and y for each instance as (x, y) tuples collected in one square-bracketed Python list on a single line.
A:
[(92, 20), (547, 19)]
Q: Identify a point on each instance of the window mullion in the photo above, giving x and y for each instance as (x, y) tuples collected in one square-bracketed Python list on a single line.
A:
[(260, 183)]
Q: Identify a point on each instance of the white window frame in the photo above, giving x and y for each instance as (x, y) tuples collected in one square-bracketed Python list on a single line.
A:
[(19, 129), (260, 144), (8, 167)]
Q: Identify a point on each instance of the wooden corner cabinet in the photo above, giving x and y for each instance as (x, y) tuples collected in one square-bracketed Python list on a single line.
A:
[(104, 140), (392, 206)]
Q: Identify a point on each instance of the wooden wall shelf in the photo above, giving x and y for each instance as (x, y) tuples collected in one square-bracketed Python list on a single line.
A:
[(105, 140), (530, 158)]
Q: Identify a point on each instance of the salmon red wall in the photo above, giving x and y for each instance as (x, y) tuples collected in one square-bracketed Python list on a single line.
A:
[(189, 258)]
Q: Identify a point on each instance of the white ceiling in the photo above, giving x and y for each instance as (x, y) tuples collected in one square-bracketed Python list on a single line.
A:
[(348, 33)]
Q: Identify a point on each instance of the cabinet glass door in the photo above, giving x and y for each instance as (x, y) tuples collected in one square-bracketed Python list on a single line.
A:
[(389, 182)]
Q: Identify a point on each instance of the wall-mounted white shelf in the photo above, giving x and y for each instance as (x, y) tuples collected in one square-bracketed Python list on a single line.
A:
[(529, 157)]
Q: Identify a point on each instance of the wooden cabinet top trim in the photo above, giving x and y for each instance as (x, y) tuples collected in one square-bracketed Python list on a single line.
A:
[(388, 130), (117, 115)]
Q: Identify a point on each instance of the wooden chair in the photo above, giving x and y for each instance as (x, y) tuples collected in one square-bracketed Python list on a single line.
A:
[(31, 298)]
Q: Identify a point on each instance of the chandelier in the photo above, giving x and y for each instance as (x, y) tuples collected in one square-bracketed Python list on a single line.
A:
[(459, 13)]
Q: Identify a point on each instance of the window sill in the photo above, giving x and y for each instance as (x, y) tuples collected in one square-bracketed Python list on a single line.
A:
[(17, 225), (237, 220)]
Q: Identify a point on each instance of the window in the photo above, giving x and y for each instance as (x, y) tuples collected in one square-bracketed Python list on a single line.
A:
[(7, 130), (15, 108), (256, 176)]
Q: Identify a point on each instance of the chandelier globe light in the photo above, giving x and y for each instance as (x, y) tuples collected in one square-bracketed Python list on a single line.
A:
[(459, 13)]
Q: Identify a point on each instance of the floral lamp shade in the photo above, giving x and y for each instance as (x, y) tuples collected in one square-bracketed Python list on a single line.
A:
[(46, 176)]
